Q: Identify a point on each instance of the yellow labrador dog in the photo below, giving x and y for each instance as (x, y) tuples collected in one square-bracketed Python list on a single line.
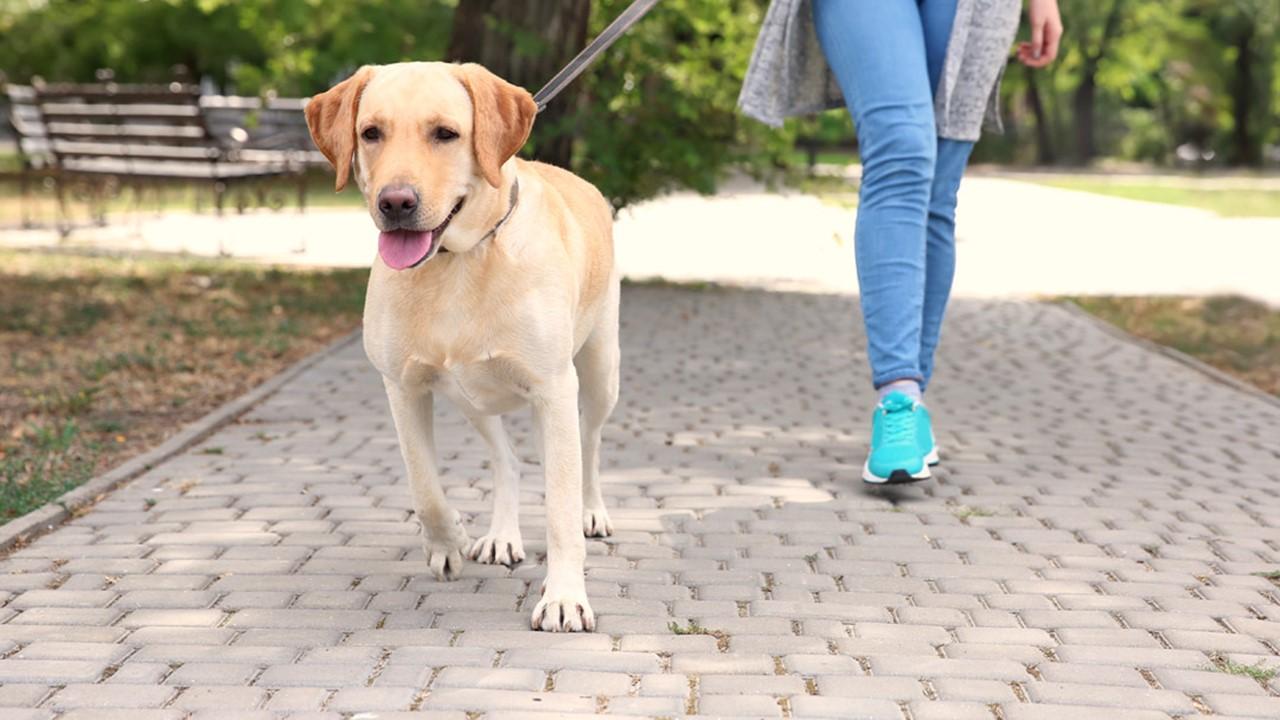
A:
[(494, 286)]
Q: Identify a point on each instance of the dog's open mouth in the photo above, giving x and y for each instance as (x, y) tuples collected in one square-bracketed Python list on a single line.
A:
[(403, 249)]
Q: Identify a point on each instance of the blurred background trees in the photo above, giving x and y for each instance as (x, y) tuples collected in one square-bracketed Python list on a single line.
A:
[(1141, 80)]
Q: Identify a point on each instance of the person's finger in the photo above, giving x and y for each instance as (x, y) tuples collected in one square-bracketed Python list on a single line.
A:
[(1037, 38), (1025, 57)]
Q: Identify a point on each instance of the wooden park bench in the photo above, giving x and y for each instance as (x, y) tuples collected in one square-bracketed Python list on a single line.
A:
[(96, 140)]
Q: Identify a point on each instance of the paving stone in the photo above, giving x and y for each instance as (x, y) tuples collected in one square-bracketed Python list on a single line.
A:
[(476, 700), (583, 682), (50, 671), (13, 695), (115, 714), (985, 692), (1206, 682), (1244, 705), (665, 685), (812, 706), (295, 698), (491, 678), (645, 706), (1110, 696), (196, 674), (54, 650), (314, 675), (901, 689), (749, 684), (628, 662), (221, 699), (110, 696), (756, 706), (1091, 674), (947, 710), (366, 699)]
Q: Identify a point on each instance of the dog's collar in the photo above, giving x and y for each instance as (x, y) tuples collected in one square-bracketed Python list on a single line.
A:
[(515, 196)]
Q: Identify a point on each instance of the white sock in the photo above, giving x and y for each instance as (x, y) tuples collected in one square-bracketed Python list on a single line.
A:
[(910, 388)]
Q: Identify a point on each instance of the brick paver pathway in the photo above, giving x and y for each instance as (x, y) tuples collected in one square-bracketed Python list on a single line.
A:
[(1091, 547)]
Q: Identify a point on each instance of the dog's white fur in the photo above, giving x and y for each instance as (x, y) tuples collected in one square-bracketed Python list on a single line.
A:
[(529, 315)]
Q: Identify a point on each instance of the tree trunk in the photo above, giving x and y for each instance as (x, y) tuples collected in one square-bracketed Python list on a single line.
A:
[(1083, 102), (1045, 153), (1247, 150), (526, 42), (1086, 95)]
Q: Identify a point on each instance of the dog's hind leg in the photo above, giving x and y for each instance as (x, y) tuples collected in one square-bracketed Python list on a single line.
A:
[(443, 538), (597, 364), (501, 545)]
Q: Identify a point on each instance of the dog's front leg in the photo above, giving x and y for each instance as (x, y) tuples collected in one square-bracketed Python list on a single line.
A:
[(443, 539), (564, 606)]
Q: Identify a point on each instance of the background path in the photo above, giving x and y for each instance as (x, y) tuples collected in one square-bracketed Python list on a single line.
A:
[(1017, 239), (1088, 550)]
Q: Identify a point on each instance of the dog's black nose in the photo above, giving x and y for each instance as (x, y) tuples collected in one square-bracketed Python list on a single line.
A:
[(397, 202)]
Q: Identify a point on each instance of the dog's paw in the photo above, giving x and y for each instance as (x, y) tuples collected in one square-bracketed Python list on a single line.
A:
[(563, 608), (498, 547), (444, 548), (596, 523)]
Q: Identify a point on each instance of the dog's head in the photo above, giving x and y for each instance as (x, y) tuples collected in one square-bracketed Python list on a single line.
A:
[(421, 138)]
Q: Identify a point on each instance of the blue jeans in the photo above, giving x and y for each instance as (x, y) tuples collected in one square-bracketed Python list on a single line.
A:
[(887, 56)]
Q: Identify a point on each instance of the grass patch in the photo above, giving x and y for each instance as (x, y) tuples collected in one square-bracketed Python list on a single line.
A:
[(47, 461), (964, 512), (831, 189), (42, 203), (693, 628), (1239, 336), (1257, 671), (1270, 575), (103, 358), (1235, 202)]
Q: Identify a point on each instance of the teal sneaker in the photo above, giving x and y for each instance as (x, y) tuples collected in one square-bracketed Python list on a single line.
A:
[(926, 438), (900, 427)]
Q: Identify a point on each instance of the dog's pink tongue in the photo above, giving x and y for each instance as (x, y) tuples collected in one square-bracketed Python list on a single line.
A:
[(403, 248)]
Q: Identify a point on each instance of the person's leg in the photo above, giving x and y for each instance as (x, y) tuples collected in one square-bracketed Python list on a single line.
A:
[(940, 253), (937, 18), (876, 49)]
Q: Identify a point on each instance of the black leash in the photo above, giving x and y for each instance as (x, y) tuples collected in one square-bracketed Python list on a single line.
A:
[(575, 67)]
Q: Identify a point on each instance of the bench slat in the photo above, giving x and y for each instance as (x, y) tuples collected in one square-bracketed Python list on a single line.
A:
[(103, 130), (113, 110), (175, 170), (174, 152)]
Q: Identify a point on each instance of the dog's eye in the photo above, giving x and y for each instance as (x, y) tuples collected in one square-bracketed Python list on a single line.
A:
[(445, 134), (371, 134)]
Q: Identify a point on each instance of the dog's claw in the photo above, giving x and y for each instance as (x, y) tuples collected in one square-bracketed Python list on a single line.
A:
[(497, 549), (596, 523), (563, 611), (443, 548)]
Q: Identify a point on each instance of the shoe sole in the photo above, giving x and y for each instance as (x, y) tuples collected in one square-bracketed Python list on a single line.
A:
[(897, 477), (932, 459)]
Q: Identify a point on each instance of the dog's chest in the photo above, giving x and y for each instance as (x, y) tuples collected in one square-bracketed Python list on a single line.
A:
[(479, 380), (488, 388)]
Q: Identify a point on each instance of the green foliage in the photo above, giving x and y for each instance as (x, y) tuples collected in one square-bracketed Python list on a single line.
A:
[(662, 103), (658, 111), (1203, 72), (292, 47)]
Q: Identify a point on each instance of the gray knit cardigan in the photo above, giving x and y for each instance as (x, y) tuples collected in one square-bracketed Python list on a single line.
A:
[(789, 75)]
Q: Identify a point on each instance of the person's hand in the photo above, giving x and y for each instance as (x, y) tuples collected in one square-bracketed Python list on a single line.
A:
[(1046, 31)]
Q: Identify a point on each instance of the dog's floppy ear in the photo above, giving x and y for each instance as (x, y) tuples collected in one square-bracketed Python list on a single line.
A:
[(331, 118), (502, 116)]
